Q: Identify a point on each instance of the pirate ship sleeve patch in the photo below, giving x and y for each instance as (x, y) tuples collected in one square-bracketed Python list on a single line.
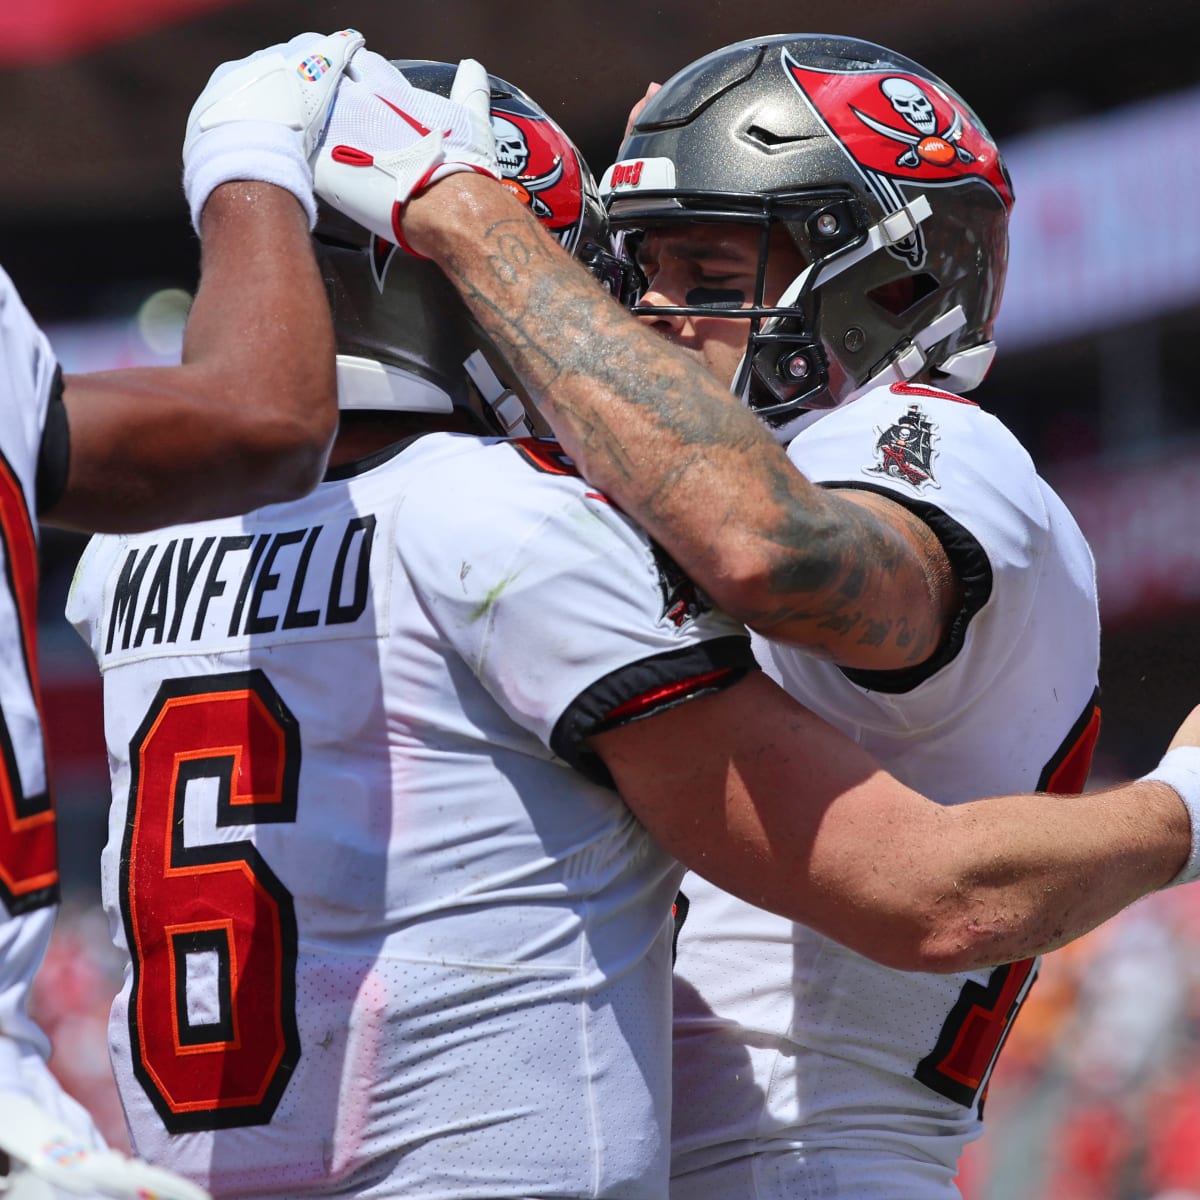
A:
[(905, 450)]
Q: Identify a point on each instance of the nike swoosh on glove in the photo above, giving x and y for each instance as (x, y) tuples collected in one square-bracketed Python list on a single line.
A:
[(48, 1160), (260, 117), (386, 141)]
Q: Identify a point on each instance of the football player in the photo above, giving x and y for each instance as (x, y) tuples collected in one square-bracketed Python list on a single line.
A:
[(947, 621), (819, 225), (392, 931), (246, 419)]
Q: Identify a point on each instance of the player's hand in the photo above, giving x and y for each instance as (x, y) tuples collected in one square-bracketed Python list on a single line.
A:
[(47, 1160), (386, 141), (260, 117), (1188, 734), (636, 110)]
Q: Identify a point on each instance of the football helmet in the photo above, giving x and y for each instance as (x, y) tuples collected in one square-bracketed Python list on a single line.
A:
[(890, 187), (406, 342)]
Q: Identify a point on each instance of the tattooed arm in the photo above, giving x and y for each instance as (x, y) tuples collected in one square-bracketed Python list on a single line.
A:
[(848, 575)]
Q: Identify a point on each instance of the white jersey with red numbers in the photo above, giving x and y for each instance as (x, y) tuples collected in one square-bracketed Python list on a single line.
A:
[(391, 934), (802, 1070), (30, 385)]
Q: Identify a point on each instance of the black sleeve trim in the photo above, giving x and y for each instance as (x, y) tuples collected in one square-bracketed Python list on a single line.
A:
[(971, 567), (54, 453), (644, 688), (1068, 769)]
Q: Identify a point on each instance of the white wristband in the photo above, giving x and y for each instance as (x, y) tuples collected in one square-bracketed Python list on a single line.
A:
[(259, 150), (1180, 769)]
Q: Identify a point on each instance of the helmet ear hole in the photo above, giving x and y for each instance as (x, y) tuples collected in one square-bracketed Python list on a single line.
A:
[(900, 295)]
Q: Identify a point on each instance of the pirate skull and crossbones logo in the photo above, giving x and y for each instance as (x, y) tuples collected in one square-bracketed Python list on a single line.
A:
[(512, 154), (923, 140)]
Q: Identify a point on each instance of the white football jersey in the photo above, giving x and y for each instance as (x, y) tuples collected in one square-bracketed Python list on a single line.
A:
[(29, 382), (391, 934), (803, 1070)]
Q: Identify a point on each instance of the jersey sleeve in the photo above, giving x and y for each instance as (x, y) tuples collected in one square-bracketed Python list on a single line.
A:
[(54, 449), (32, 382), (571, 618), (965, 475)]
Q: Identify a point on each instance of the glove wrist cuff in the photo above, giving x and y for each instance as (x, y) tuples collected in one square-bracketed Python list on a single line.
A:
[(451, 167), (247, 150), (427, 180)]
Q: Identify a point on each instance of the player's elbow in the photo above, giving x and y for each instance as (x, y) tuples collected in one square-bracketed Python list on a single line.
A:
[(947, 935), (740, 583), (945, 948), (292, 458), (761, 580), (936, 924), (285, 446), (932, 947)]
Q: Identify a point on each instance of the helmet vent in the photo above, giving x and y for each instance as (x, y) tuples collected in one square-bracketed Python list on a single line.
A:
[(900, 295), (771, 140)]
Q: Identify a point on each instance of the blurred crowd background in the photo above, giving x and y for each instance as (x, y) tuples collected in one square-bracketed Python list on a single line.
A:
[(1097, 109)]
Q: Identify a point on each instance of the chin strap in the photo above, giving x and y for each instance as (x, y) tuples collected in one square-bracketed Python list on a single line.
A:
[(505, 404)]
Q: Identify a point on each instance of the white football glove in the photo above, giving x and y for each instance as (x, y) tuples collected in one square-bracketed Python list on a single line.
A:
[(387, 140), (260, 117), (47, 1160)]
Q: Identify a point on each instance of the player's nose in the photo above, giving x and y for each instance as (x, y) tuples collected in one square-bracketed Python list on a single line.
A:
[(655, 304)]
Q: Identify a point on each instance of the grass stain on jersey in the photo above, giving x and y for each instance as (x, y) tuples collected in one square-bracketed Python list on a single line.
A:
[(485, 605)]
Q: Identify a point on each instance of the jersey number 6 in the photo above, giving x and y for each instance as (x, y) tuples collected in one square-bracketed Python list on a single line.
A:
[(211, 930)]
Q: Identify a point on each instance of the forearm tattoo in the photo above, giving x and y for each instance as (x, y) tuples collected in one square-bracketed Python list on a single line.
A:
[(664, 440)]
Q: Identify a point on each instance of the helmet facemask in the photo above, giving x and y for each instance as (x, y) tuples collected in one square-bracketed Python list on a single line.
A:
[(786, 367)]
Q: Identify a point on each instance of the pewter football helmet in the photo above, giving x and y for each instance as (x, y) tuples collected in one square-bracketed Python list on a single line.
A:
[(405, 340), (887, 182)]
